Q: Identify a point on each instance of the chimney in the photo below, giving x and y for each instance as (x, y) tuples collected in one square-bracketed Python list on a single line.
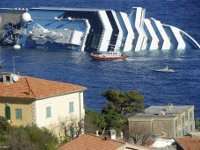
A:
[(82, 131), (121, 135), (162, 113), (97, 132), (170, 107), (6, 77), (113, 134)]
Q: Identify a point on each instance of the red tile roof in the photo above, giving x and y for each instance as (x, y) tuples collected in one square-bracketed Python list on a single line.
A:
[(91, 142), (35, 88), (189, 143)]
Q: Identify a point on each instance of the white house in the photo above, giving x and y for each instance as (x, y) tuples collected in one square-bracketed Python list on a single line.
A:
[(27, 100)]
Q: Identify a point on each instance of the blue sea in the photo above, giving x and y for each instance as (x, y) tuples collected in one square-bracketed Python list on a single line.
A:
[(181, 87)]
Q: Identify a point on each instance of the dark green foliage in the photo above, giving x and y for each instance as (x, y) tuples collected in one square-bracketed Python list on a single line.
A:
[(32, 137), (119, 104), (113, 115), (94, 121), (124, 102), (26, 138), (19, 139), (4, 125), (4, 129), (114, 120)]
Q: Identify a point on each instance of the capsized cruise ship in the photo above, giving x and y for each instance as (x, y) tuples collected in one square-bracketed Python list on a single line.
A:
[(90, 30)]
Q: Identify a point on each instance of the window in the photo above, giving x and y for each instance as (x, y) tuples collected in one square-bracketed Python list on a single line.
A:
[(191, 128), (183, 132), (191, 115), (183, 120), (176, 123), (48, 112), (186, 116), (7, 78), (1, 79), (71, 107), (7, 112), (18, 113)]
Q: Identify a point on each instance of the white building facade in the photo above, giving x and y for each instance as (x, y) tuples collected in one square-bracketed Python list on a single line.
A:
[(54, 112)]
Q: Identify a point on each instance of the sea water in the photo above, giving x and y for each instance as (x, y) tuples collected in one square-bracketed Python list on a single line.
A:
[(181, 87)]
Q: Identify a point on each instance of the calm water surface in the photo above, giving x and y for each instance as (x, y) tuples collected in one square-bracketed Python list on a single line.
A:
[(181, 87)]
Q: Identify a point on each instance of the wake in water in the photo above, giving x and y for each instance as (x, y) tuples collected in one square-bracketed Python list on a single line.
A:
[(157, 58)]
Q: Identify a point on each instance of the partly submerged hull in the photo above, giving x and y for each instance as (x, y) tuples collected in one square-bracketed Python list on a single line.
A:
[(102, 30)]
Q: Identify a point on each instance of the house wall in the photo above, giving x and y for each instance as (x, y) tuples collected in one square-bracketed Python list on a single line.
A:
[(190, 121), (175, 126), (163, 127), (34, 112), (156, 126), (140, 126), (60, 110), (185, 122), (25, 105)]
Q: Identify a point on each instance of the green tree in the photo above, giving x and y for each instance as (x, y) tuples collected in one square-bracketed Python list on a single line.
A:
[(94, 121), (114, 120), (119, 104), (124, 102)]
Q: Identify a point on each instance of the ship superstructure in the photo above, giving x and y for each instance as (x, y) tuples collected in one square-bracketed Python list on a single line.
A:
[(91, 30)]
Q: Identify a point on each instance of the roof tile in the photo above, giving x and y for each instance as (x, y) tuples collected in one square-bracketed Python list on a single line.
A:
[(189, 143), (36, 88), (91, 142)]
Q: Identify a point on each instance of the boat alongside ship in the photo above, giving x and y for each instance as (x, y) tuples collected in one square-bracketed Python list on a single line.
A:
[(109, 56)]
